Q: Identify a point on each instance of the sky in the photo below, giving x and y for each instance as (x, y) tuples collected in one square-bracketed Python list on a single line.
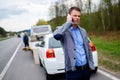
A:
[(18, 15)]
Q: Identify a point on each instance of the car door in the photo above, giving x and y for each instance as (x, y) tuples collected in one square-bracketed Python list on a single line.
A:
[(42, 51), (58, 51)]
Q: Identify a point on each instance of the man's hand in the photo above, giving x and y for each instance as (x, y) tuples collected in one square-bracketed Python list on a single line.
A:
[(69, 17)]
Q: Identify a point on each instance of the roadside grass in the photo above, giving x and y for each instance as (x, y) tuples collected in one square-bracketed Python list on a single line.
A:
[(108, 47), (3, 38)]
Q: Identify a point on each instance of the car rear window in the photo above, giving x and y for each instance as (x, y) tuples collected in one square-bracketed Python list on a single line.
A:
[(53, 43)]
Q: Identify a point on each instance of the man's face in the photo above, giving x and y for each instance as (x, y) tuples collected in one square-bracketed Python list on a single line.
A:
[(75, 16)]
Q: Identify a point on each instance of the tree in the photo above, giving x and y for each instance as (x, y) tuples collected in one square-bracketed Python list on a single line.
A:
[(56, 9), (89, 12), (102, 16), (41, 22), (3, 32), (109, 12), (79, 4), (52, 11)]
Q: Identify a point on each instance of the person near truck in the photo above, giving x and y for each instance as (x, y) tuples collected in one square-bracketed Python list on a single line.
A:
[(26, 40)]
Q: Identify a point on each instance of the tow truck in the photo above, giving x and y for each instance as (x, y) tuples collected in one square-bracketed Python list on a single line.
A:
[(37, 34)]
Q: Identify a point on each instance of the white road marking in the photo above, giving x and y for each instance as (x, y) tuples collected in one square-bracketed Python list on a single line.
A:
[(9, 63), (108, 75)]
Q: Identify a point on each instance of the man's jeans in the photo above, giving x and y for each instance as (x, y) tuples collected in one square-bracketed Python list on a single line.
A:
[(79, 74)]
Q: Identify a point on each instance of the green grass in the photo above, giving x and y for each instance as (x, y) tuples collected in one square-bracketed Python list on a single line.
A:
[(110, 65), (108, 48), (112, 47), (3, 38)]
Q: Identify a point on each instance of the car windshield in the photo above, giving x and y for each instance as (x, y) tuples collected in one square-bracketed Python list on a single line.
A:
[(53, 43)]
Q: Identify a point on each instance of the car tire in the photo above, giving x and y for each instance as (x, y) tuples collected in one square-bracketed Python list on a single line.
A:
[(40, 63), (49, 77), (94, 71)]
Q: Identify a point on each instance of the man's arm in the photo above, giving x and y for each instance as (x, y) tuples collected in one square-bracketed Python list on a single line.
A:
[(58, 33)]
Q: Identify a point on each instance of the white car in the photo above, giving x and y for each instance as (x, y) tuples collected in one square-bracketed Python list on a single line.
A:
[(51, 56), (95, 55)]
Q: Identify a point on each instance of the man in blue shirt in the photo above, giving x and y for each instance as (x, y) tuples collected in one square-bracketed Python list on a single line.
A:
[(80, 52), (78, 55)]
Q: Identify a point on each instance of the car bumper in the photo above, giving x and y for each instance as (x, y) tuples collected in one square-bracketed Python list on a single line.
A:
[(95, 58), (54, 67)]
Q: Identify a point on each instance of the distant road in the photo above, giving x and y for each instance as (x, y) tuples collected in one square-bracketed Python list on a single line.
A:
[(7, 48)]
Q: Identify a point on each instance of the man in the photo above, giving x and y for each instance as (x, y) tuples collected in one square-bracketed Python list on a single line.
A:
[(26, 40), (78, 55)]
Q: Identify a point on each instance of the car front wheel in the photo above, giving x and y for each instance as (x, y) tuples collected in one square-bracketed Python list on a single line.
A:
[(49, 77), (94, 71), (40, 63)]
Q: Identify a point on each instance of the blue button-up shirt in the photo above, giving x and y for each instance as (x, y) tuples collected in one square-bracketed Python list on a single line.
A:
[(80, 51)]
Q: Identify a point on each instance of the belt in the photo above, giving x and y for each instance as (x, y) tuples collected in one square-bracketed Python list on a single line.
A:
[(82, 67)]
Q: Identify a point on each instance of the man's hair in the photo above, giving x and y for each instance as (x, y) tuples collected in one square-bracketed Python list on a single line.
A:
[(74, 8)]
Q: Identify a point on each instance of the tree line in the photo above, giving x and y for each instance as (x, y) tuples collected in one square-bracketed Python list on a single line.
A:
[(3, 33), (102, 16)]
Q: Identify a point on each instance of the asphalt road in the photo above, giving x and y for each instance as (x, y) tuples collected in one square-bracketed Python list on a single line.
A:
[(7, 48), (23, 67)]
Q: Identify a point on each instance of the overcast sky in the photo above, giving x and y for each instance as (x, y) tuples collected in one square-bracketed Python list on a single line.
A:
[(17, 15)]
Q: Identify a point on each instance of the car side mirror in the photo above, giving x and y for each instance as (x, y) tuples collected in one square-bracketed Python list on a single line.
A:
[(42, 44)]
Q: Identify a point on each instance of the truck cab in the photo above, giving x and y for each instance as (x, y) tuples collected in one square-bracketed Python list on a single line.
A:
[(37, 34)]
